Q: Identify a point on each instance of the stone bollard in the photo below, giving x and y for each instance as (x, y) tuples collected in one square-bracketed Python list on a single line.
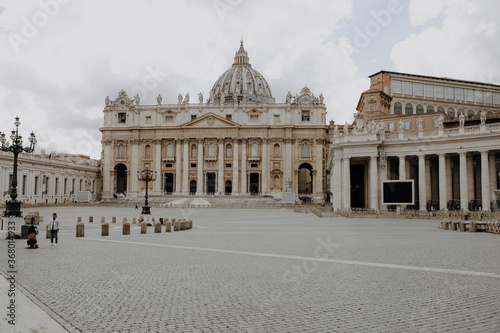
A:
[(453, 225), (47, 231), (80, 229), (190, 224), (103, 219), (153, 219), (168, 226), (157, 227), (126, 228), (134, 220), (462, 226), (176, 225), (91, 219), (105, 229), (124, 219), (144, 227), (473, 227), (113, 219), (79, 219)]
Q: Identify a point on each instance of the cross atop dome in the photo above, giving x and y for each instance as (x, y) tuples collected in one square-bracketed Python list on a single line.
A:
[(241, 57)]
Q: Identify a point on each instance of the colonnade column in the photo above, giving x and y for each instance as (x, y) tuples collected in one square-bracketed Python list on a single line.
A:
[(464, 186), (199, 181), (157, 184), (443, 196), (318, 189), (422, 191), (493, 176), (402, 167), (134, 166), (178, 173), (373, 183), (220, 174), (346, 186), (235, 188), (485, 181), (288, 161), (265, 166), (243, 189), (107, 191), (185, 167), (382, 175), (335, 182)]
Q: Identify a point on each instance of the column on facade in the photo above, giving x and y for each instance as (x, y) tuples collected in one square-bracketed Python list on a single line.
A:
[(373, 183), (185, 166), (199, 181), (493, 176), (265, 166), (443, 196), (288, 160), (428, 187), (470, 179), (464, 185), (422, 183), (220, 174), (159, 181), (235, 188), (346, 186), (134, 166), (402, 167), (383, 170), (318, 187), (485, 181), (449, 175), (107, 181), (335, 181), (243, 189), (178, 173)]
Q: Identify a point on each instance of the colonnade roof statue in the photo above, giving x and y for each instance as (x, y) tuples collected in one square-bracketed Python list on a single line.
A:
[(241, 82)]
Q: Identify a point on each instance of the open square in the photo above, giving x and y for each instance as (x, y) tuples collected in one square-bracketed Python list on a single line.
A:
[(261, 271)]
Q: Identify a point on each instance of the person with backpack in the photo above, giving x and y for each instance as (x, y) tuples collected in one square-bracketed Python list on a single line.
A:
[(32, 232)]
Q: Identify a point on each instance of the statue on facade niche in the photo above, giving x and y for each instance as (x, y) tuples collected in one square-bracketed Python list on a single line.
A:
[(222, 98), (288, 184), (137, 99), (288, 98), (420, 124), (107, 101), (186, 99), (401, 125), (159, 99), (346, 129), (440, 121), (336, 131), (373, 127), (200, 98), (461, 119), (483, 117), (321, 98), (245, 98), (179, 98)]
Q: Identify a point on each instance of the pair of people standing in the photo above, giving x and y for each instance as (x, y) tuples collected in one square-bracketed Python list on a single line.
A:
[(54, 228)]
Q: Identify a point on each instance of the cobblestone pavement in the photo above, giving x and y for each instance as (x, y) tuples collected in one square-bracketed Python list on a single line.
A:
[(263, 271)]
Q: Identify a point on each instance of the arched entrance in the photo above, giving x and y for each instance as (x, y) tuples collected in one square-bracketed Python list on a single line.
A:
[(228, 187), (192, 187), (121, 178), (305, 185)]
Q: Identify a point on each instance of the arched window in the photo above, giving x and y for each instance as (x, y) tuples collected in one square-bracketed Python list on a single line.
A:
[(305, 150), (254, 150), (229, 151), (430, 109), (147, 151), (470, 113), (398, 108), (194, 150), (170, 150), (440, 109), (121, 151), (276, 149), (211, 149), (451, 112), (420, 109), (408, 109), (461, 111)]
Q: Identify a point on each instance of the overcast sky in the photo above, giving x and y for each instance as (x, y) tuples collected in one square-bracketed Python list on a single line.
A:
[(60, 59)]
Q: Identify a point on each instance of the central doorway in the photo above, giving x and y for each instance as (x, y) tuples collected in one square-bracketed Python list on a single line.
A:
[(121, 179), (211, 183), (358, 186), (305, 179), (169, 183), (254, 183)]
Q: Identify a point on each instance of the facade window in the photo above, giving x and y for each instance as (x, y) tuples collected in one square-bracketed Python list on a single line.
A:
[(392, 126), (276, 118), (122, 118), (407, 124), (194, 150), (169, 119), (211, 150), (193, 117), (496, 98), (149, 120), (429, 90), (459, 94), (478, 96), (418, 89), (121, 151), (448, 92), (435, 122), (80, 184), (65, 186), (420, 109), (469, 95), (305, 150), (254, 118), (396, 86), (229, 151), (276, 150), (254, 150), (451, 112), (398, 108), (229, 117), (470, 113), (460, 111), (488, 97), (438, 91), (407, 88), (305, 115), (73, 185), (430, 109), (147, 151), (440, 109), (36, 186), (24, 184), (408, 109), (372, 106), (170, 150)]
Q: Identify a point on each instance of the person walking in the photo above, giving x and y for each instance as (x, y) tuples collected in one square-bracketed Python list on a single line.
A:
[(54, 228)]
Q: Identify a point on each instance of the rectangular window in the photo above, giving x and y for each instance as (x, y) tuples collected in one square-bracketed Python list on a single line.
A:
[(228, 165), (435, 122), (438, 91), (254, 165), (459, 94), (392, 126), (469, 95), (429, 90), (407, 124), (148, 120), (418, 89), (396, 86), (407, 88), (448, 92), (372, 106), (276, 118), (24, 184), (168, 165), (229, 117), (305, 115), (496, 98), (254, 118), (36, 186), (488, 97), (122, 117), (193, 117), (169, 119), (478, 96), (193, 165)]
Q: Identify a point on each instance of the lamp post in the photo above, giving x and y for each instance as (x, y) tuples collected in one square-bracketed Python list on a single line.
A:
[(146, 176), (13, 206)]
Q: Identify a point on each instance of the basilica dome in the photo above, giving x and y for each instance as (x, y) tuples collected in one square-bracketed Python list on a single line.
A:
[(241, 83)]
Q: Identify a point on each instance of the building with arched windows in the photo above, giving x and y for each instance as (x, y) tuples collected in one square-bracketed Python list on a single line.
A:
[(239, 141)]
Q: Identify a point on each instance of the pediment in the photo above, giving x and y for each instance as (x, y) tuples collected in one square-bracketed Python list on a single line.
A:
[(210, 120)]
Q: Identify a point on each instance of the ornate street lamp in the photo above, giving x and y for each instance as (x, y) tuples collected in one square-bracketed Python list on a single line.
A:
[(146, 176), (13, 206)]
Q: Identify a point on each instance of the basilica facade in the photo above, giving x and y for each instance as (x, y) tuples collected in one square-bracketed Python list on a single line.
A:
[(238, 141)]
